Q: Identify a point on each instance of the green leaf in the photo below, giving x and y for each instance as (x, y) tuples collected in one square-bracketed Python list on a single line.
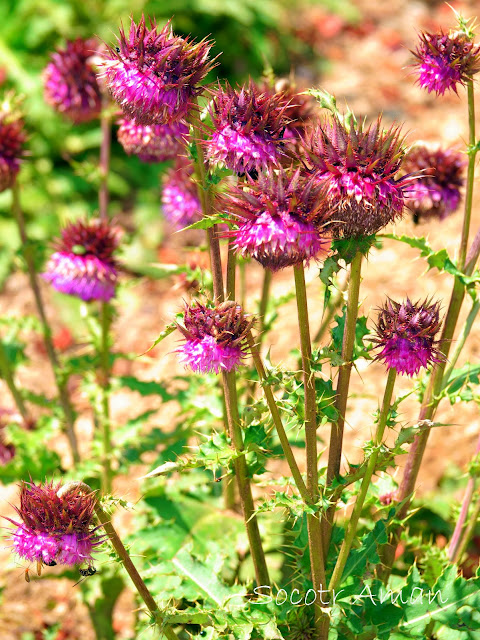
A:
[(359, 559), (143, 387)]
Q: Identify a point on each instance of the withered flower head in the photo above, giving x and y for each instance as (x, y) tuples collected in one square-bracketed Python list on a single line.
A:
[(406, 333), (12, 139), (154, 75), (153, 143), (214, 337), (84, 264)]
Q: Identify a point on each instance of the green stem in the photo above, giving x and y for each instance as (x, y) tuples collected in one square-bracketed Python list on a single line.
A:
[(243, 282), (277, 420), (336, 436), (105, 388), (125, 559), (7, 375), (315, 543), (360, 501), (231, 269), (431, 398), (263, 305), (467, 536), (243, 481), (330, 311), (104, 163), (60, 379), (460, 342)]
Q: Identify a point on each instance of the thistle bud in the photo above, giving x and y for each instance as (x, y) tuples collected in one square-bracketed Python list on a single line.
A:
[(154, 75), (357, 165), (214, 337), (437, 193), (55, 529), (406, 334), (280, 219), (70, 82), (180, 203), (84, 265), (248, 129), (445, 61), (155, 143), (12, 139)]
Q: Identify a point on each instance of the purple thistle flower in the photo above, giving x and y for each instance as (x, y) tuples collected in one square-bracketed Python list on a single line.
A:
[(357, 166), (214, 337), (155, 143), (279, 218), (406, 334), (70, 82), (55, 529), (154, 76), (83, 265), (437, 193), (446, 60), (248, 129), (180, 203), (12, 139)]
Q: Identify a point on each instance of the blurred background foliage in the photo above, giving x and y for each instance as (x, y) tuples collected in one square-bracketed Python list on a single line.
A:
[(60, 177)]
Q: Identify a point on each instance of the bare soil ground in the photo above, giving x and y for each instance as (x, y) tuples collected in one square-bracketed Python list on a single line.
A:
[(369, 72)]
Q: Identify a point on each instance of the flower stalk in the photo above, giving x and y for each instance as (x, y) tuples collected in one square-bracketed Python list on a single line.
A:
[(360, 501), (8, 376), (125, 559), (60, 379)]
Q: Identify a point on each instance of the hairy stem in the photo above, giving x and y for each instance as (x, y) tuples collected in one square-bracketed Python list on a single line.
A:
[(470, 176), (243, 481), (263, 305), (60, 379), (336, 436), (277, 421), (460, 342), (231, 272), (122, 553), (315, 543), (467, 536), (329, 312), (104, 163), (360, 501), (6, 370)]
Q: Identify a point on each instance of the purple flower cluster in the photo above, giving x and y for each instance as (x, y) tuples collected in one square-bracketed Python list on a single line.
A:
[(154, 75), (70, 82), (153, 143), (53, 529), (445, 61), (437, 193), (214, 337), (357, 165), (406, 334), (279, 219), (12, 139), (83, 265), (180, 203), (248, 129)]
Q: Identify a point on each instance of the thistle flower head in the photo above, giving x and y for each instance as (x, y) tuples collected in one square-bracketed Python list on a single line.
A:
[(279, 219), (446, 60), (53, 528), (248, 129), (180, 203), (83, 264), (70, 81), (214, 337), (437, 193), (154, 74), (357, 165), (299, 108), (153, 143), (406, 333), (12, 139)]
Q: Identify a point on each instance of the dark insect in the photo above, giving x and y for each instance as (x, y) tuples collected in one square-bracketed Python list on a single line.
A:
[(27, 575), (52, 563), (89, 571)]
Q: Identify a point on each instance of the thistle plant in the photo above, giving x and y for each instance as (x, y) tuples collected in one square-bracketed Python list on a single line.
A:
[(284, 185)]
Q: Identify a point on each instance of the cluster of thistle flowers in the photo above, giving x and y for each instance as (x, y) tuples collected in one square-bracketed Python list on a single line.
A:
[(55, 527)]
